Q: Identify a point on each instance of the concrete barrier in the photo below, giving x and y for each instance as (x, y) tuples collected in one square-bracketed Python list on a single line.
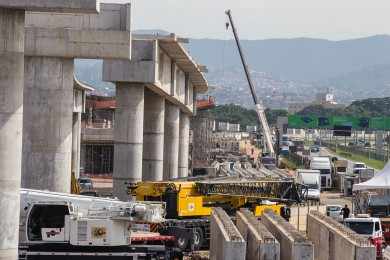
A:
[(299, 215), (293, 245), (386, 254), (226, 241), (334, 241), (261, 244)]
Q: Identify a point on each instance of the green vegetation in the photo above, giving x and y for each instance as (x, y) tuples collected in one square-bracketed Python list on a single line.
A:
[(371, 107), (240, 115), (286, 163), (376, 164)]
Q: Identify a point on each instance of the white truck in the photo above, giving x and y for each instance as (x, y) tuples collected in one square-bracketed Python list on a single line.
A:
[(323, 164), (358, 167), (311, 179), (65, 226)]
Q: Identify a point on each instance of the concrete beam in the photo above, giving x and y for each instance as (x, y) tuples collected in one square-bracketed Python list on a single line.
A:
[(91, 36), (81, 44), (293, 245), (66, 6), (261, 244), (113, 17), (226, 241), (334, 241)]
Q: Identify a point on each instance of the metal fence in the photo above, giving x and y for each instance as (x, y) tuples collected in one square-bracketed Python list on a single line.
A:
[(367, 152)]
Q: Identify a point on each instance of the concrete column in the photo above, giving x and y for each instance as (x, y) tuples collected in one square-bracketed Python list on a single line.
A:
[(184, 140), (171, 141), (11, 117), (153, 150), (76, 143), (128, 137), (47, 123)]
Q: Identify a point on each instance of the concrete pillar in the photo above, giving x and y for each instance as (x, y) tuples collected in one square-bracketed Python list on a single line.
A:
[(76, 143), (184, 143), (128, 137), (11, 117), (153, 149), (47, 123), (171, 141)]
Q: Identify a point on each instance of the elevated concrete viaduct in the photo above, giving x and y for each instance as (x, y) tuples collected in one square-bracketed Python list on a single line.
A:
[(52, 42), (155, 98), (12, 38), (79, 99)]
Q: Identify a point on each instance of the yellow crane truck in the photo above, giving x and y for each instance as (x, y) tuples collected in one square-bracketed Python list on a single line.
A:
[(189, 203)]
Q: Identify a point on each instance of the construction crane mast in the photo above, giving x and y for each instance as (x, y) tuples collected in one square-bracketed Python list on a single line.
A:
[(258, 103)]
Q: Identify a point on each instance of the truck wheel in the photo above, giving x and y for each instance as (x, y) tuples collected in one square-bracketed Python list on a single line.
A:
[(182, 243), (198, 238)]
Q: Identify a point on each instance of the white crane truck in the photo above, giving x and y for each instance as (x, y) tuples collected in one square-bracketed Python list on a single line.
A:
[(65, 226)]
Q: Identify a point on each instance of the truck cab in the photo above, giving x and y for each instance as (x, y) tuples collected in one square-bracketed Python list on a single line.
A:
[(311, 179), (357, 167), (323, 164), (370, 227)]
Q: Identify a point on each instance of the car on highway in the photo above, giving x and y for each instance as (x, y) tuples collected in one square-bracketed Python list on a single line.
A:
[(315, 149), (357, 167), (85, 183), (334, 211)]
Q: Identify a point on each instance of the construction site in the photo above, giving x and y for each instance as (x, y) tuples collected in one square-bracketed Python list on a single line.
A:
[(149, 173)]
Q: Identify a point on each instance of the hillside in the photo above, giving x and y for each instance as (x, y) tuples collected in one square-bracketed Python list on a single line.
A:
[(372, 107), (285, 70), (240, 115)]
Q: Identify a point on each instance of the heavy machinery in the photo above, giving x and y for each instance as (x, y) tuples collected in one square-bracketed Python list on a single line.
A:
[(189, 203), (258, 103), (64, 226)]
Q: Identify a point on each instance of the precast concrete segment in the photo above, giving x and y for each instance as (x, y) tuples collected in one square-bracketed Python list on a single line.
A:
[(293, 245), (334, 241), (226, 242), (76, 144), (114, 17), (184, 144), (261, 244), (47, 123), (67, 6), (11, 117), (128, 137), (105, 35), (171, 141), (153, 147)]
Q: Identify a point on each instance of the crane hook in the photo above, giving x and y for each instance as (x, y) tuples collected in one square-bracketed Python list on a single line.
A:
[(227, 25)]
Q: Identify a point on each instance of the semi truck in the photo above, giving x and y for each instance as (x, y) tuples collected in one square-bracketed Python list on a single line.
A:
[(64, 226), (323, 164)]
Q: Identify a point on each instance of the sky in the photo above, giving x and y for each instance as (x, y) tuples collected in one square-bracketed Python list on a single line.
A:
[(264, 19)]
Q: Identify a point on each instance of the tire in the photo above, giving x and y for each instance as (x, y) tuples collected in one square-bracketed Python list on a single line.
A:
[(182, 243), (198, 238)]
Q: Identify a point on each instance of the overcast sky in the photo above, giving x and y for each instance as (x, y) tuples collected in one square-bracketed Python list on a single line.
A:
[(264, 19)]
